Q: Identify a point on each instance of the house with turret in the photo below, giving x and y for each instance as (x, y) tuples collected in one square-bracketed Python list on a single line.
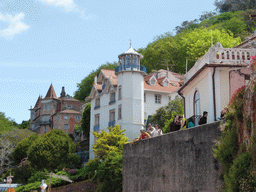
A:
[(127, 96), (52, 112)]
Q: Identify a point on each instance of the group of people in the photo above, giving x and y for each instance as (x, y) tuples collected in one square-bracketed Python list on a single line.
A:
[(151, 132), (178, 123)]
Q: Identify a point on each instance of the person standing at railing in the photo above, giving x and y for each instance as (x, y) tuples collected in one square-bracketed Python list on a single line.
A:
[(203, 120), (157, 131), (191, 122)]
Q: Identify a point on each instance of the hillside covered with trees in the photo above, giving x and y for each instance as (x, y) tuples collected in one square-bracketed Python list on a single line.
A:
[(192, 40)]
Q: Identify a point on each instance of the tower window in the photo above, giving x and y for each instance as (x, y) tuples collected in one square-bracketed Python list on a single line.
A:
[(119, 93), (119, 111), (66, 126)]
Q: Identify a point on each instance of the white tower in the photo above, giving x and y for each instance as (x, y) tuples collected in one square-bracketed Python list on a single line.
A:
[(130, 78)]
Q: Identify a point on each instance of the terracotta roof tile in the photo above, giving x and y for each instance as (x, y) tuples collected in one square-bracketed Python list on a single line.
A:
[(148, 77), (38, 103), (157, 87), (98, 87), (109, 73), (160, 80)]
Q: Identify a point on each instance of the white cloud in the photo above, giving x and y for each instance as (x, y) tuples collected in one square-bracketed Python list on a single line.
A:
[(15, 25), (68, 5)]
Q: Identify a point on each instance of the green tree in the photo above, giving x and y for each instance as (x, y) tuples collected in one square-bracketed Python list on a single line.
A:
[(112, 141), (85, 87), (8, 142), (21, 150), (234, 5), (6, 124), (24, 125), (165, 113), (51, 150), (85, 122)]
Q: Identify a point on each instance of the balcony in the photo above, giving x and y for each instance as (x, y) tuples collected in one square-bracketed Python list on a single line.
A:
[(96, 107), (96, 127), (222, 56), (111, 102), (129, 67), (111, 124)]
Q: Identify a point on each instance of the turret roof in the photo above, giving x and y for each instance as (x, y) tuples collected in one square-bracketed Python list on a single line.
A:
[(51, 93)]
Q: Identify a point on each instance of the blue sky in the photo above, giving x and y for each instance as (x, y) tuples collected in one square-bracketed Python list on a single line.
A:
[(62, 41)]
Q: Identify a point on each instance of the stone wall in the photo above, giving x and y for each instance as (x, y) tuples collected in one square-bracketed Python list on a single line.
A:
[(177, 161)]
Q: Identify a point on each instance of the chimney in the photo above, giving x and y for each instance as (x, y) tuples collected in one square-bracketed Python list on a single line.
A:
[(95, 79), (63, 94)]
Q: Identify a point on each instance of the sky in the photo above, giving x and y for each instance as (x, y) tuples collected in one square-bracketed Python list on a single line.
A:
[(62, 41)]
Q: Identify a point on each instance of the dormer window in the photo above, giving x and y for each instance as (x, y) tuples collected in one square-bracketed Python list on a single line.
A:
[(152, 82), (165, 83)]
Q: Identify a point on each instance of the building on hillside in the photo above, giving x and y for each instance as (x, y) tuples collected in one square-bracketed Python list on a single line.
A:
[(52, 112), (211, 82), (126, 96)]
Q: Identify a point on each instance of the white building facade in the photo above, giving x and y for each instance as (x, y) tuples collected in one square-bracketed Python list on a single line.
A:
[(127, 96), (212, 81)]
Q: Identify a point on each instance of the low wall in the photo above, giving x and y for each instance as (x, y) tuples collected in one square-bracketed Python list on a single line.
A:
[(177, 161)]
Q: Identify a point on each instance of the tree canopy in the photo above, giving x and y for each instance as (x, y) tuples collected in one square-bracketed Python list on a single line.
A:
[(6, 124), (234, 5), (51, 150)]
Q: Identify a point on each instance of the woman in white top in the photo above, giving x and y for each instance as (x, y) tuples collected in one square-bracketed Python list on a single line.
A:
[(157, 131)]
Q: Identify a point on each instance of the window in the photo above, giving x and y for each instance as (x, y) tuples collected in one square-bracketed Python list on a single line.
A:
[(66, 117), (46, 107), (152, 81), (157, 98), (97, 103), (46, 118), (33, 115), (112, 115), (97, 119), (119, 111), (69, 106), (196, 103), (77, 117), (145, 97), (119, 93), (112, 97), (165, 83), (45, 129), (66, 126)]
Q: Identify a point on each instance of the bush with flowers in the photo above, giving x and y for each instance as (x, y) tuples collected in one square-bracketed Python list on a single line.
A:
[(253, 63), (238, 161)]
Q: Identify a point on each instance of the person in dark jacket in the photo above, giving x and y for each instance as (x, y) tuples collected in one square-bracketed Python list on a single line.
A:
[(175, 125), (203, 120)]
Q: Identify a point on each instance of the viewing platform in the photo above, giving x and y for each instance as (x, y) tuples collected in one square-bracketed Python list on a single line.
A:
[(223, 56)]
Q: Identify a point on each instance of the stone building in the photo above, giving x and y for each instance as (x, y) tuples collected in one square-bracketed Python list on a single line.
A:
[(52, 112), (127, 96)]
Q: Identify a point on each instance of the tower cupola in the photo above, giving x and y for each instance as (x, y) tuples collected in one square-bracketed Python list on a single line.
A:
[(130, 61)]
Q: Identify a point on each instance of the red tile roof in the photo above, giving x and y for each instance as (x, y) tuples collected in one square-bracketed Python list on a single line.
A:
[(109, 73), (148, 77), (157, 87), (38, 103)]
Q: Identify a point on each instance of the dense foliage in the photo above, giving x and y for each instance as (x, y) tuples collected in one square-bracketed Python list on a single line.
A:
[(238, 160), (6, 124), (85, 122), (106, 168), (8, 142), (234, 5), (52, 150), (85, 87)]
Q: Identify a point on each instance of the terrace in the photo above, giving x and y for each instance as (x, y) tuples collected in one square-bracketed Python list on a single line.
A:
[(224, 56)]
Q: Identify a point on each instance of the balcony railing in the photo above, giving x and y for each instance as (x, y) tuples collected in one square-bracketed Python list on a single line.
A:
[(223, 56), (132, 67), (111, 102), (111, 123), (96, 107), (96, 127)]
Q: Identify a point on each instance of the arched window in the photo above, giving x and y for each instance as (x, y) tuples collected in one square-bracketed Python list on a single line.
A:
[(196, 103)]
